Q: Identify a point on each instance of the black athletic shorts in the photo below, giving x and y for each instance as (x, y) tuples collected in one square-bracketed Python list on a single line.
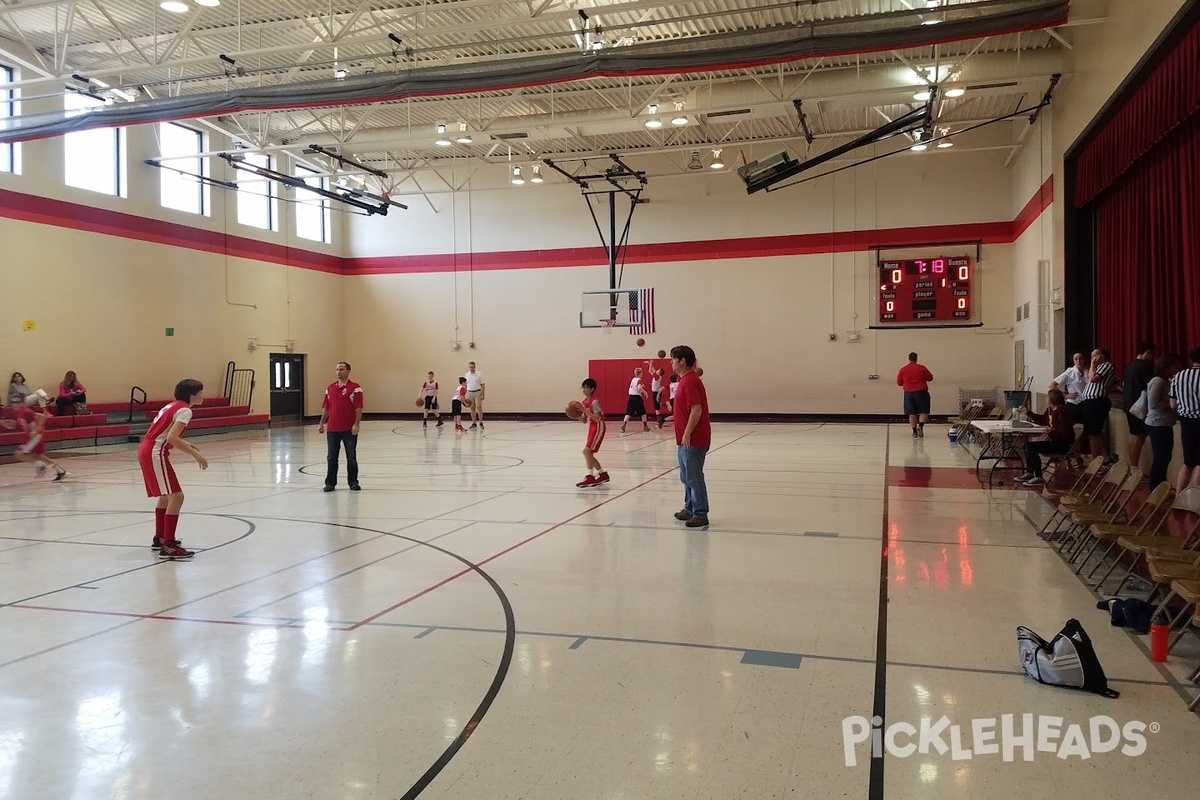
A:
[(916, 402), (635, 406)]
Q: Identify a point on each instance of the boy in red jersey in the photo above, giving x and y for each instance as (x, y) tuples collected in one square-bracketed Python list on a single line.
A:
[(154, 457), (595, 435), (30, 417)]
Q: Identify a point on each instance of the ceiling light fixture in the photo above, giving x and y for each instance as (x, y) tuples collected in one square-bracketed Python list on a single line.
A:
[(717, 163), (679, 118), (653, 122), (464, 135), (536, 177), (695, 163), (957, 91), (441, 140), (339, 73), (922, 97), (931, 22), (517, 180), (208, 3), (944, 143), (932, 3), (174, 6)]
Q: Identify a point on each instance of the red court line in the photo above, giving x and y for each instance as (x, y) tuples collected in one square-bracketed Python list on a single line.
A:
[(491, 558), (167, 617), (552, 528)]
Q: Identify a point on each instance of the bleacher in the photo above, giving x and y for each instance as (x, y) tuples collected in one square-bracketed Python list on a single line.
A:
[(109, 423)]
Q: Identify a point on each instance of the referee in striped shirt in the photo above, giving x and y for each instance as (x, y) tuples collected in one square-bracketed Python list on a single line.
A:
[(1094, 404), (1185, 399)]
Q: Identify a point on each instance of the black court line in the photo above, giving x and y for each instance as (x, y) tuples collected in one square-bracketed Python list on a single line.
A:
[(250, 528), (879, 707)]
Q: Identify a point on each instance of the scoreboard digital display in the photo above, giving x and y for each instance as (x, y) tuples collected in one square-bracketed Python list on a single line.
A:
[(925, 290)]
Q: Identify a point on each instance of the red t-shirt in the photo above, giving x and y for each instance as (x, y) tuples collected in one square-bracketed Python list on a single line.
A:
[(691, 393), (342, 403), (913, 377)]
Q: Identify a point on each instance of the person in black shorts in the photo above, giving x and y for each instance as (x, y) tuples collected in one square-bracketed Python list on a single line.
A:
[(1094, 404), (635, 406), (1185, 399)]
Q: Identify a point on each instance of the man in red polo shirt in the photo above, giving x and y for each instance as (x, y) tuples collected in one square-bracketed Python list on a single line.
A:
[(693, 435), (341, 412), (915, 379)]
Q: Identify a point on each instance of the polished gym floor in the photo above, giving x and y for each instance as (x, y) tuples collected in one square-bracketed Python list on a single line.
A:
[(472, 626)]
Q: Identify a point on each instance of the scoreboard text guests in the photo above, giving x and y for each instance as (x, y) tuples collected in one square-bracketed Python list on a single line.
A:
[(925, 290)]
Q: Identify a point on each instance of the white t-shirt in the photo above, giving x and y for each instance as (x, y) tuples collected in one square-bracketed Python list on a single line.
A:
[(1071, 382), (431, 388), (460, 392), (474, 381), (634, 386), (656, 384), (674, 386)]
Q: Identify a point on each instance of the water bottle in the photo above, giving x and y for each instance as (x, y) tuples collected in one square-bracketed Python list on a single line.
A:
[(1160, 634)]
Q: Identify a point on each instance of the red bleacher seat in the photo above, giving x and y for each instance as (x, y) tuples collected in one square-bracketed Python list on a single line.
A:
[(206, 412), (229, 421)]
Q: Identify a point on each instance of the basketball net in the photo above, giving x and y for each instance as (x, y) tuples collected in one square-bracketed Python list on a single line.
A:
[(608, 325)]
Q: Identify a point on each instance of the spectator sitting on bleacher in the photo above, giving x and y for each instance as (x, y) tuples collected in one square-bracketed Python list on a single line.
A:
[(71, 395), (17, 386)]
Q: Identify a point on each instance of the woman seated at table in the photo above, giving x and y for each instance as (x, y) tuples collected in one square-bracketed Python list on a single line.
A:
[(1062, 436)]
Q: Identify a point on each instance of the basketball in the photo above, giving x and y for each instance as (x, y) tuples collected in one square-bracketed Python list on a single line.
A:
[(420, 402), (699, 372), (575, 409), (662, 353), (641, 342), (466, 402)]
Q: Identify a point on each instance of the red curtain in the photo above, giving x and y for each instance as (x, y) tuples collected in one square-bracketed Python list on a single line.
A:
[(1148, 249), (1169, 96)]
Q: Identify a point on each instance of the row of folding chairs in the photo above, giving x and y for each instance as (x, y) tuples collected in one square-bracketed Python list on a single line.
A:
[(1097, 517)]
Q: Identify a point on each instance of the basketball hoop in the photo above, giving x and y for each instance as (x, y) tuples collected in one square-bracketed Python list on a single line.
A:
[(608, 325)]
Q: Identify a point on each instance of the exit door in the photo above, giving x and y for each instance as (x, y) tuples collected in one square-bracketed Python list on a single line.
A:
[(287, 386)]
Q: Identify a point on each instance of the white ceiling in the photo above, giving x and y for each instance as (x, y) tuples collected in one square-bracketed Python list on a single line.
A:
[(135, 45)]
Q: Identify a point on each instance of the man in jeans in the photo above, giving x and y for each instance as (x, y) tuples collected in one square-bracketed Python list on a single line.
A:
[(693, 435), (342, 409)]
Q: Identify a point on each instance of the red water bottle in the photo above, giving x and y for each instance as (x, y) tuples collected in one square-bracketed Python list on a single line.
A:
[(1160, 633)]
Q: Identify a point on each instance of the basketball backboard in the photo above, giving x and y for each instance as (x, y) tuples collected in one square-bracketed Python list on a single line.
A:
[(622, 307)]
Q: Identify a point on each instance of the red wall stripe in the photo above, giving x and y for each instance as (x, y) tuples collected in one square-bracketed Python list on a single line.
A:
[(1034, 208), (63, 214)]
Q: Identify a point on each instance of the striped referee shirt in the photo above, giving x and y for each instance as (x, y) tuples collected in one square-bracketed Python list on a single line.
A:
[(1185, 391), (1093, 390)]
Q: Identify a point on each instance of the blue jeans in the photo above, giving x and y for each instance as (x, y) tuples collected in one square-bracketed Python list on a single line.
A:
[(691, 475)]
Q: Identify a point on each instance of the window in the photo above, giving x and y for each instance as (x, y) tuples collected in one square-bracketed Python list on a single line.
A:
[(256, 203), (181, 192), (95, 159), (8, 109), (312, 210)]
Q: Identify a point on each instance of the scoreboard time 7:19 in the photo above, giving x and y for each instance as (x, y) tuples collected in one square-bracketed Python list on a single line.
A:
[(925, 290)]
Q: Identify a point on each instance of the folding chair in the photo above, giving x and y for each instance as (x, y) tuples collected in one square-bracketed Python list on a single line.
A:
[(1098, 500), (1085, 486), (1158, 539), (1114, 512), (1151, 515)]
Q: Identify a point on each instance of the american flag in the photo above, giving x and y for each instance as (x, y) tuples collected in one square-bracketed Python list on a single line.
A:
[(641, 312)]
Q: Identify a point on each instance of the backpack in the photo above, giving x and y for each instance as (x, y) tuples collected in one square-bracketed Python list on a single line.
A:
[(1069, 660)]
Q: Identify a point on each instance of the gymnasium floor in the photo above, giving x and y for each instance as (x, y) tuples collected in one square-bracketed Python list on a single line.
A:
[(472, 626)]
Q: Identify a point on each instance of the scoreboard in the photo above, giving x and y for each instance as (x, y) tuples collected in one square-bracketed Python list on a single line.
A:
[(925, 290)]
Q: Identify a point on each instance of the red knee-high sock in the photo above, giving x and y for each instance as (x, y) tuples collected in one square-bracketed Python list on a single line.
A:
[(172, 522), (160, 523)]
